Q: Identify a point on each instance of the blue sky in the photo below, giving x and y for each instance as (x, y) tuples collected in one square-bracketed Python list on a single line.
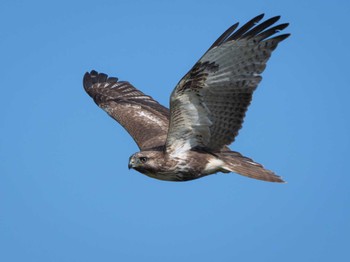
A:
[(65, 191)]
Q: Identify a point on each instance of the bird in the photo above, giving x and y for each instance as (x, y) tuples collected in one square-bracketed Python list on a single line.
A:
[(207, 107)]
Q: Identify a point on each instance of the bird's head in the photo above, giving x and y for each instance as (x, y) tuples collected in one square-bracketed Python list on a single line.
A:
[(145, 162)]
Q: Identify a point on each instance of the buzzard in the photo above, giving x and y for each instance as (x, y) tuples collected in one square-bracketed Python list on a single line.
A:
[(190, 140)]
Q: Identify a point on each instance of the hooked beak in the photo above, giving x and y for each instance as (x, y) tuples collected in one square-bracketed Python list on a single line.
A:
[(131, 163)]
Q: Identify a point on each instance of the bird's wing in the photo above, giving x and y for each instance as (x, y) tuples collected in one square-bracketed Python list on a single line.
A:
[(144, 118), (208, 105)]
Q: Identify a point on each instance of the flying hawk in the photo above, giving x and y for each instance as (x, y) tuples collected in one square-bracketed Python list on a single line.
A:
[(207, 108)]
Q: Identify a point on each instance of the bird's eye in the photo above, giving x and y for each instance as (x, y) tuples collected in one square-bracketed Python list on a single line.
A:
[(143, 159)]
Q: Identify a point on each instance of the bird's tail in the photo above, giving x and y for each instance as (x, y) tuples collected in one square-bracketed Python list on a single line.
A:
[(235, 162)]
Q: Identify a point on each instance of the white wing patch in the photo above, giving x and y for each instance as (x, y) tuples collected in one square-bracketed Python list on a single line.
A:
[(180, 149), (214, 165)]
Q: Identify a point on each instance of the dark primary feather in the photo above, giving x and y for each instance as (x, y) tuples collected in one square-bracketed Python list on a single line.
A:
[(209, 103), (240, 32), (261, 27), (224, 36), (248, 30), (143, 117)]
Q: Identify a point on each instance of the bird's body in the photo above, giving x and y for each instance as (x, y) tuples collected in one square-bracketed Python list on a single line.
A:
[(207, 108), (190, 165)]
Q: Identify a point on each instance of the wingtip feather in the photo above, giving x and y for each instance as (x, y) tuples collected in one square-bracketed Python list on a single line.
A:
[(94, 77), (87, 81)]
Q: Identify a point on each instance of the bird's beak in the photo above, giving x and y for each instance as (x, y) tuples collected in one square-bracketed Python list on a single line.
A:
[(131, 163)]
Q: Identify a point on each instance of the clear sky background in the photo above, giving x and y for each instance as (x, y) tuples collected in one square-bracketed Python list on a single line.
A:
[(65, 191)]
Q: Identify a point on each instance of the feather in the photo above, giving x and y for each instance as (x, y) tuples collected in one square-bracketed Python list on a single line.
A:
[(144, 118), (221, 85)]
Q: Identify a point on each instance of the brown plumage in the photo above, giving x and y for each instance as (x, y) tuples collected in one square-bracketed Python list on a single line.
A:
[(207, 108)]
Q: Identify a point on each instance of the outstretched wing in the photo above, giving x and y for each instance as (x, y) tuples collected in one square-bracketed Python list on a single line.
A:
[(208, 105), (144, 118)]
